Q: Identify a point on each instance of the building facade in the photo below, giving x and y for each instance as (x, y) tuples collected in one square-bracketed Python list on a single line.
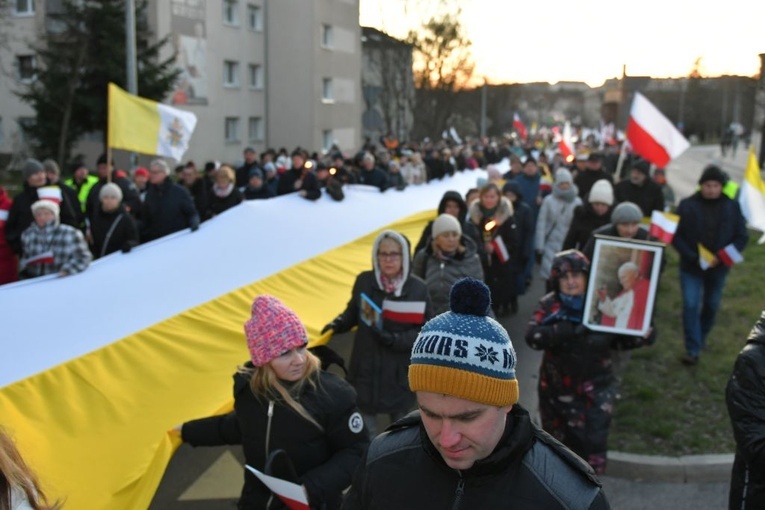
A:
[(257, 73)]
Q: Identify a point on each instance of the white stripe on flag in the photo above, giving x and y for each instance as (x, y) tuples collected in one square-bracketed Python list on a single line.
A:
[(284, 489), (176, 127), (3, 215), (52, 193), (501, 249), (663, 226)]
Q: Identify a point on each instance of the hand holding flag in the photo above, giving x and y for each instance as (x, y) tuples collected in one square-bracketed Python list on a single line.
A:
[(707, 259), (730, 255)]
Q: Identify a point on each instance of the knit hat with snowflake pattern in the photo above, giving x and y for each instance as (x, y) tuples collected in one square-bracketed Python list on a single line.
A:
[(464, 352)]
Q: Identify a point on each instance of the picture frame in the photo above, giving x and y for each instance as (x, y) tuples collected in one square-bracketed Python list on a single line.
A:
[(370, 313), (621, 289)]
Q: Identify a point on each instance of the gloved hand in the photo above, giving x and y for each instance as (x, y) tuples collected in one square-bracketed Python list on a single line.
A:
[(565, 329), (329, 326), (538, 257), (385, 338)]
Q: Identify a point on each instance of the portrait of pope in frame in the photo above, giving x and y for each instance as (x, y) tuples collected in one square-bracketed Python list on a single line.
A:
[(621, 291)]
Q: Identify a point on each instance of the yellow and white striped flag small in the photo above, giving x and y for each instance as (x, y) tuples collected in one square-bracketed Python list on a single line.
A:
[(706, 257)]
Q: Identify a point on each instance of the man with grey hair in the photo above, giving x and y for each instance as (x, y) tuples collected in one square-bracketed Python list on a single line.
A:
[(371, 175), (168, 207)]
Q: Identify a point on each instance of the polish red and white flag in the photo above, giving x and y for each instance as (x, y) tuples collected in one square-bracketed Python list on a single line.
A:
[(52, 193), (730, 255), (663, 226), (292, 495), (566, 144), (500, 249), (410, 312), (652, 135), (519, 126)]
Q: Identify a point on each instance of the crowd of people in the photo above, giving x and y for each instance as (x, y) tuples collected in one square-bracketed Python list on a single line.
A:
[(426, 336)]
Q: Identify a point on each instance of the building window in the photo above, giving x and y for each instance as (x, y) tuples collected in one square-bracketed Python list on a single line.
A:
[(326, 36), (255, 129), (256, 76), (231, 12), (232, 129), (230, 73), (255, 18), (326, 90), (26, 68), (23, 7), (327, 139)]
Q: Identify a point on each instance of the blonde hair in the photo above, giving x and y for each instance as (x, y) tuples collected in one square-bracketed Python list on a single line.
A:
[(265, 384), (228, 171), (15, 475)]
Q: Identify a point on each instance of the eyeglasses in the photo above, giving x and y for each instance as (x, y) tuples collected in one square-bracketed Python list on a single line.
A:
[(388, 254)]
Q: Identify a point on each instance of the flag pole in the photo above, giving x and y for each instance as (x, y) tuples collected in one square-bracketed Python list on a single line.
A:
[(620, 163), (108, 142)]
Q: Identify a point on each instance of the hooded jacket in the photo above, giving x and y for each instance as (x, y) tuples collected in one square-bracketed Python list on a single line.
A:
[(745, 397), (324, 460), (468, 229), (379, 362), (527, 470)]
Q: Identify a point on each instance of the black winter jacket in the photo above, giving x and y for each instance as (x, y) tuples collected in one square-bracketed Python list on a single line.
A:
[(649, 197), (168, 208), (584, 222), (220, 204), (323, 460), (106, 240), (745, 396), (527, 470)]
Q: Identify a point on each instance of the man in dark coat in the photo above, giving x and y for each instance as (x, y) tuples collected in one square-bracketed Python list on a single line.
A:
[(195, 185), (371, 174), (250, 163), (745, 396), (640, 189), (710, 219), (36, 186), (592, 173), (470, 445), (300, 178), (168, 206)]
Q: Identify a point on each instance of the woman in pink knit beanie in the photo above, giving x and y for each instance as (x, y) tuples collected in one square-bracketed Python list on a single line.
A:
[(284, 401)]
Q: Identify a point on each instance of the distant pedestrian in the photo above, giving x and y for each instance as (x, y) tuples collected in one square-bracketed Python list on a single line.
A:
[(745, 397), (168, 206), (112, 228), (554, 220), (224, 194)]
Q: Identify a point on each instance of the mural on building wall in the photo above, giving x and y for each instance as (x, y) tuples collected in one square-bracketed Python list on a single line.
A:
[(187, 24)]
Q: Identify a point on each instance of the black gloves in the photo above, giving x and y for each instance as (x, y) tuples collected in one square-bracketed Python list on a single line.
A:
[(567, 329), (329, 326)]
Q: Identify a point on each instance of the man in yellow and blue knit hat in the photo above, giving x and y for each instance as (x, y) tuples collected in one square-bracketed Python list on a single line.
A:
[(470, 445)]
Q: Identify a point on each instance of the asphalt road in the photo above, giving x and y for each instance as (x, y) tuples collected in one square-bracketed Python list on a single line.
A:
[(210, 478)]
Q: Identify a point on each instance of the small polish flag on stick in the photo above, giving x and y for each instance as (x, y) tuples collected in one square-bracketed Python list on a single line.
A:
[(663, 226), (730, 255), (519, 126), (409, 312), (652, 135), (566, 144), (500, 249), (292, 494)]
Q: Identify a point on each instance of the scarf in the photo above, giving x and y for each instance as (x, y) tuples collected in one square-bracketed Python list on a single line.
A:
[(566, 195), (390, 285), (223, 192)]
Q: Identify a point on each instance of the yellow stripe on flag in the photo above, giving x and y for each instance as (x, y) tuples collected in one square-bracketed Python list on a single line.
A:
[(752, 173), (134, 122), (706, 257), (114, 408)]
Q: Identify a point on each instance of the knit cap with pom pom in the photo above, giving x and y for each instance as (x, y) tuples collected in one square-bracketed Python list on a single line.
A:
[(464, 352)]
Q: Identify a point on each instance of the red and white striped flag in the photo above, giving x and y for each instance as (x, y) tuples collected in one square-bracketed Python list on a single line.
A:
[(519, 126), (409, 312), (730, 255), (566, 144), (663, 226), (52, 193), (291, 494), (652, 135), (3, 216), (37, 260), (500, 249)]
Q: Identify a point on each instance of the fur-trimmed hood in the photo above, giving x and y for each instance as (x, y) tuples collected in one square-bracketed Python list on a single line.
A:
[(504, 211)]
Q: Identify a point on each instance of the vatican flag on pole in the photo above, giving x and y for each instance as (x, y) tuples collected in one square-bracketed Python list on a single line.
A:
[(752, 195), (145, 126)]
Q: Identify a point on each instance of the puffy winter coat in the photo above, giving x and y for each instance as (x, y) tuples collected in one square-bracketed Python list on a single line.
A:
[(324, 460), (745, 396), (553, 223)]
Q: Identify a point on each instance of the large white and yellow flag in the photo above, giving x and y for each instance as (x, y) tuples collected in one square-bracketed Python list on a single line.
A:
[(145, 126), (91, 388), (752, 195)]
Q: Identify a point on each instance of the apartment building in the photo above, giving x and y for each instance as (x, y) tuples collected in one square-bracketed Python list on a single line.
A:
[(257, 73)]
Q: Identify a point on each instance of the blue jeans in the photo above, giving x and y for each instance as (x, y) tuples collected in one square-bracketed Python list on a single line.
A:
[(701, 300)]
